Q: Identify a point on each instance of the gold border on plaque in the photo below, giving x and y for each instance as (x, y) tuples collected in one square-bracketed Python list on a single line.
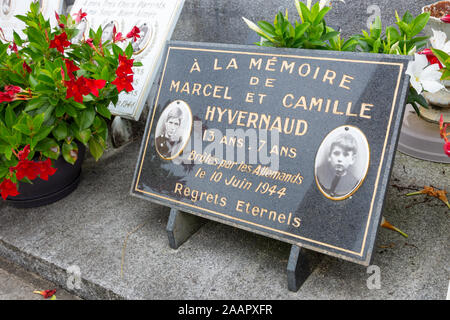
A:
[(187, 140), (227, 216), (365, 173)]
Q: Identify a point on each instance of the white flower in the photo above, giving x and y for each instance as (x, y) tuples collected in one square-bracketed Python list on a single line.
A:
[(423, 76), (324, 3), (255, 28), (439, 41)]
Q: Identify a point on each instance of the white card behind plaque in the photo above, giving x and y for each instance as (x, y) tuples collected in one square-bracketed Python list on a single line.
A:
[(8, 22), (49, 7), (10, 8), (156, 19)]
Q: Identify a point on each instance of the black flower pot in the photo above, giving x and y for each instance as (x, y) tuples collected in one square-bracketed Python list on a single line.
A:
[(58, 186)]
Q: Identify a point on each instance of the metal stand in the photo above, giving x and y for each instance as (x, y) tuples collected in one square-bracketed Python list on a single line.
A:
[(181, 226), (301, 264)]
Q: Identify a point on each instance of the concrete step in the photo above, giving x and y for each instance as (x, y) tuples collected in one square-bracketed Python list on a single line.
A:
[(18, 284), (77, 243)]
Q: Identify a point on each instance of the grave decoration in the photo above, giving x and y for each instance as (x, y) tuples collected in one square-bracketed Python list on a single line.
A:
[(155, 20), (54, 96)]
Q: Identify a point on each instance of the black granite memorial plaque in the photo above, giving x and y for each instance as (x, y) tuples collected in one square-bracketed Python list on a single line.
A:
[(296, 145)]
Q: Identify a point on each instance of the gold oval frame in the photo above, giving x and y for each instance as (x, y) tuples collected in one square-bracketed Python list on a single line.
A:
[(366, 169), (86, 30), (190, 131), (115, 24), (152, 28), (12, 8)]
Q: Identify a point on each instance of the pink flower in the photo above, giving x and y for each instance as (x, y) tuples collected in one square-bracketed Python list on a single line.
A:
[(90, 42), (117, 36), (26, 67), (432, 59), (134, 33), (80, 15), (13, 47), (447, 148), (446, 18)]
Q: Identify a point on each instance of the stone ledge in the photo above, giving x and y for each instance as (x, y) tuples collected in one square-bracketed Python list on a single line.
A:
[(88, 229)]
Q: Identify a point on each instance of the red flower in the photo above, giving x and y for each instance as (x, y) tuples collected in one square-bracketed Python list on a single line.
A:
[(46, 293), (432, 59), (27, 168), (13, 89), (71, 68), (447, 148), (446, 18), (124, 82), (117, 36), (23, 155), (125, 65), (6, 97), (134, 33), (60, 42), (77, 89), (82, 87), (8, 188), (26, 67), (90, 42), (95, 85), (46, 169), (13, 47), (124, 74), (9, 94), (61, 25), (80, 15)]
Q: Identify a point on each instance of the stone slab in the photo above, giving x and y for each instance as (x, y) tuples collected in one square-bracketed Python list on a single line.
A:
[(370, 96)]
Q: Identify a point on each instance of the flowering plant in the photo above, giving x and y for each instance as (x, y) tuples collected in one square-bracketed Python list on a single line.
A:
[(55, 91), (428, 70)]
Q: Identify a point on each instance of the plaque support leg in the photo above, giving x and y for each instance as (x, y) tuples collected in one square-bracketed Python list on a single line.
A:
[(301, 264), (181, 226)]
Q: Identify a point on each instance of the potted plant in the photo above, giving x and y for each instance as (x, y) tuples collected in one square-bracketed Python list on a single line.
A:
[(54, 99), (404, 38)]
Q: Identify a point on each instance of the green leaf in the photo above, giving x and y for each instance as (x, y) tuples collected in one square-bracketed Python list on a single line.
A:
[(10, 117), (86, 118), (37, 122), (306, 14), (266, 27), (419, 23), (95, 148), (129, 51), (321, 14), (104, 111), (60, 132), (375, 29), (49, 147), (18, 41), (70, 152), (300, 29), (83, 136), (329, 35), (441, 55)]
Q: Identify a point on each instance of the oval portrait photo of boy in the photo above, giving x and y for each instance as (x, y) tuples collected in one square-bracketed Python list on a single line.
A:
[(173, 130), (342, 162)]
